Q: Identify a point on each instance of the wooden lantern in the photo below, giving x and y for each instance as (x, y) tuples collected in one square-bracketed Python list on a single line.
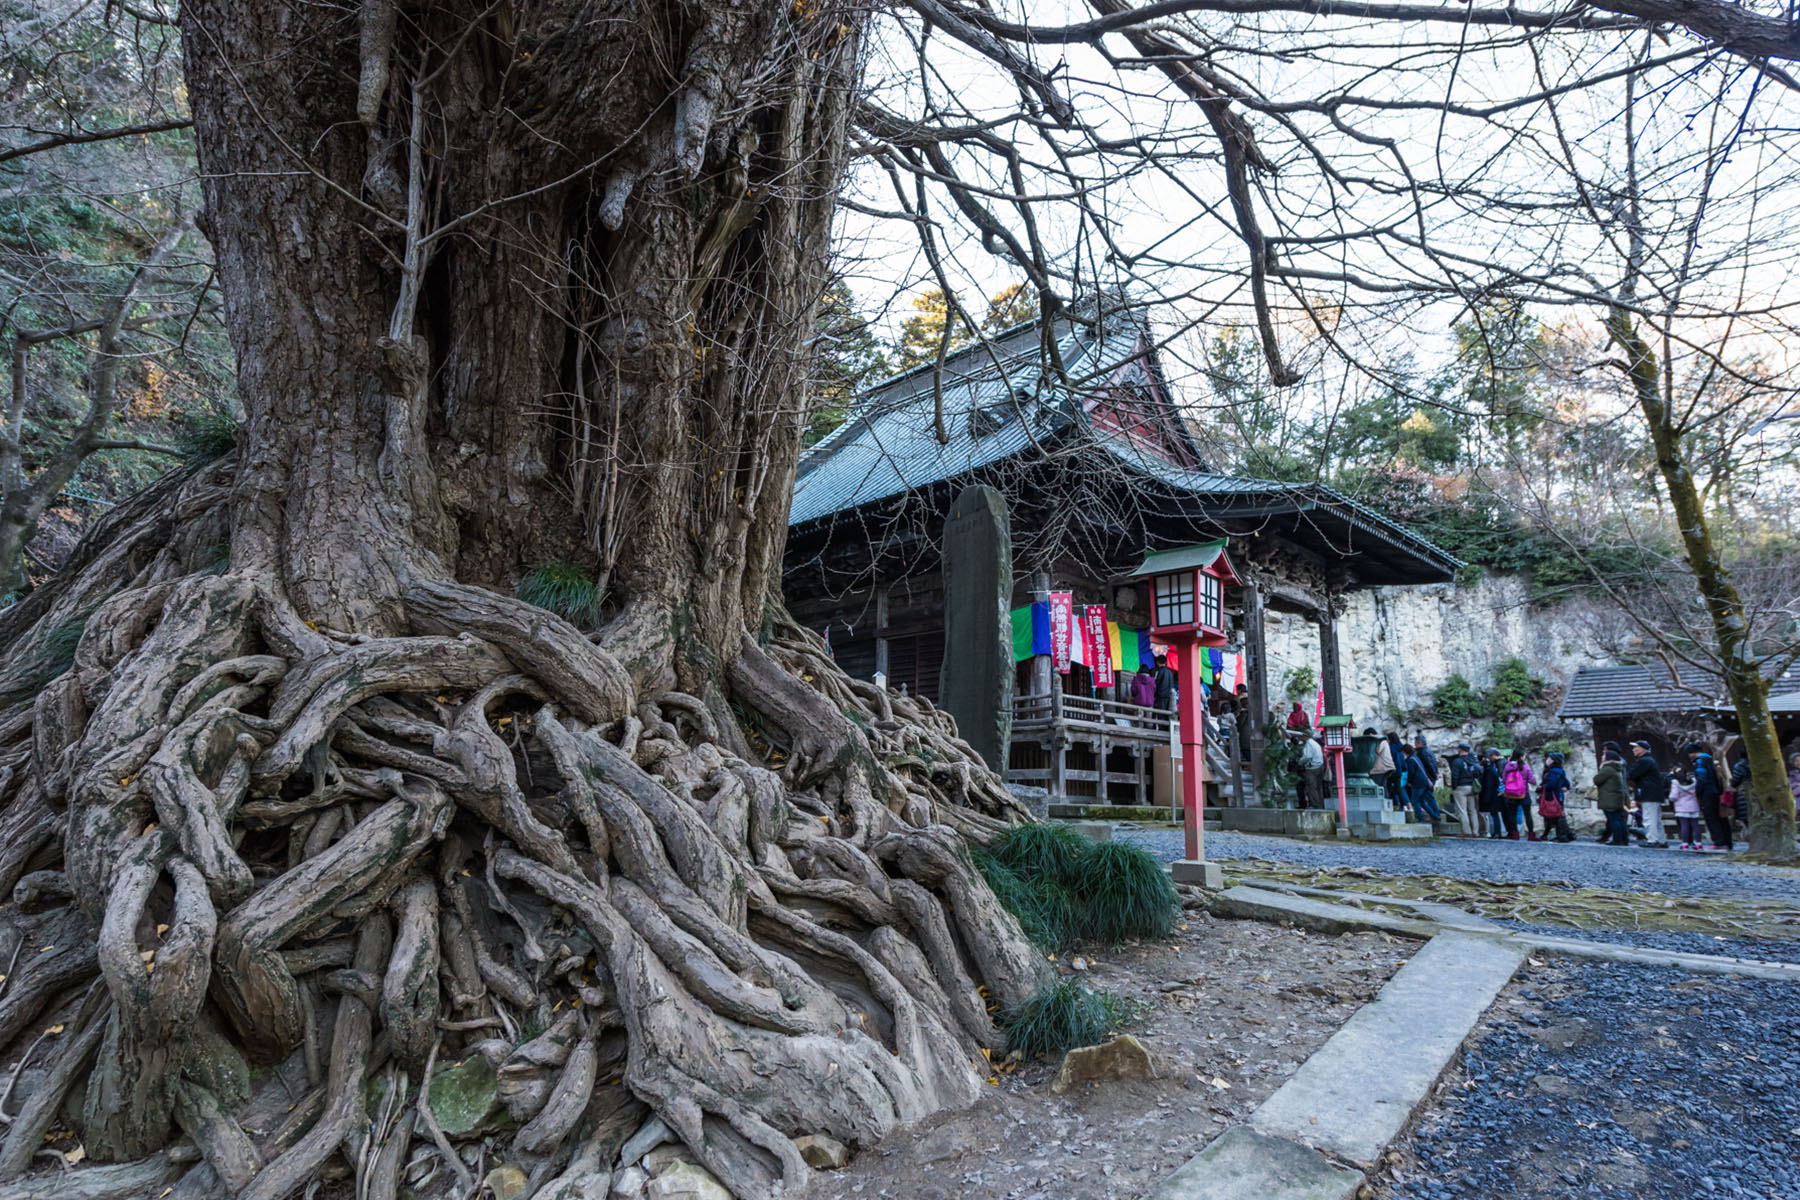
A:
[(1187, 593)]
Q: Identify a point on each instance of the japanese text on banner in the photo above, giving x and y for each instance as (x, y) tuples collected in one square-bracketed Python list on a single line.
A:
[(1099, 652), (1062, 629)]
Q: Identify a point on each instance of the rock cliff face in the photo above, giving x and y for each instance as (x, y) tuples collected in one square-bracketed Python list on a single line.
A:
[(1400, 643)]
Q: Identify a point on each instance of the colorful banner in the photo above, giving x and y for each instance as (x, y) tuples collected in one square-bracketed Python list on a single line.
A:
[(1099, 652), (1030, 631), (1125, 651), (1062, 629)]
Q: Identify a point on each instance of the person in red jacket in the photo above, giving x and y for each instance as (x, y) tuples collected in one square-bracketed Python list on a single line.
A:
[(1298, 720)]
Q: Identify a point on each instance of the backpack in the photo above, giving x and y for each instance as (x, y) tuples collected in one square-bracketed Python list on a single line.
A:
[(1706, 779), (1512, 782)]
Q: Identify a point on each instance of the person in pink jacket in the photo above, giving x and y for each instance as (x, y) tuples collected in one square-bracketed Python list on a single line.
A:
[(1516, 782)]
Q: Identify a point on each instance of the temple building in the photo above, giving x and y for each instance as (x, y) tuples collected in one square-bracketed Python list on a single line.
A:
[(1095, 467)]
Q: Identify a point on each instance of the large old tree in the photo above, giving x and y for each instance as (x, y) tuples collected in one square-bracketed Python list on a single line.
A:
[(509, 285)]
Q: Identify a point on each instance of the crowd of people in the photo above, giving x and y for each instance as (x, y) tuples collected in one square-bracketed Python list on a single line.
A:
[(1493, 793), (1634, 793)]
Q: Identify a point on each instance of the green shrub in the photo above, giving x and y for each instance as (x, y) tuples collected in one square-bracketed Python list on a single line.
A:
[(1043, 907), (1559, 745), (1062, 1017), (1515, 687), (1455, 701), (1301, 684), (1124, 893), (1281, 762), (1062, 887), (563, 588), (1041, 849), (206, 434)]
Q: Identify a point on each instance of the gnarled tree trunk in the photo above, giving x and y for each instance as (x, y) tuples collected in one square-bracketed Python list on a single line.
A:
[(1771, 802), (507, 283)]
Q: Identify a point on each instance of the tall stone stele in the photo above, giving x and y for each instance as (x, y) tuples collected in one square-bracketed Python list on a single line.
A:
[(976, 685)]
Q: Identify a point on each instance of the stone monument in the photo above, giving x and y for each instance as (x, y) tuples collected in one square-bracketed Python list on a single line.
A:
[(976, 684)]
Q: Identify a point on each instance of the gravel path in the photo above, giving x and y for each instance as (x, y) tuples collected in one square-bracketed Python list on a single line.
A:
[(1584, 863), (1602, 1080)]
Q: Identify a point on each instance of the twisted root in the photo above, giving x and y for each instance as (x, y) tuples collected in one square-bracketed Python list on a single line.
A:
[(233, 840)]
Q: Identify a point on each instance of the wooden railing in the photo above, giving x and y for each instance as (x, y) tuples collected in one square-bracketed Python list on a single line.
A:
[(1118, 720)]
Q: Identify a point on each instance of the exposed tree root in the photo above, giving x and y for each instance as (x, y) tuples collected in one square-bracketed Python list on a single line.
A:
[(233, 840)]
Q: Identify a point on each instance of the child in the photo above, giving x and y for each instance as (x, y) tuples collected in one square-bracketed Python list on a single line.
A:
[(1515, 789), (1550, 799), (1687, 806)]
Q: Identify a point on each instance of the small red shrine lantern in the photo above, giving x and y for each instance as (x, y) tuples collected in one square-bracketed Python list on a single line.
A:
[(1187, 592), (1187, 610), (1337, 732)]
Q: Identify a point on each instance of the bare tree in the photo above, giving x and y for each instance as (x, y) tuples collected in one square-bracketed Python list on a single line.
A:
[(105, 281), (519, 283)]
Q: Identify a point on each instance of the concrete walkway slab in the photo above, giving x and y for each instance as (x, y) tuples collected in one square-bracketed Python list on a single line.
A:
[(1444, 914), (1361, 1088), (1242, 1164), (1712, 964), (1337, 917), (1326, 917)]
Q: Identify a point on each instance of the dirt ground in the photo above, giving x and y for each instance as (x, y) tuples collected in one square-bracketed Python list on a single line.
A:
[(1227, 1009)]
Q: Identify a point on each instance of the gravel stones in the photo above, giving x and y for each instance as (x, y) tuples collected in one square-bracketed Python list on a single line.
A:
[(1583, 862), (1641, 1082)]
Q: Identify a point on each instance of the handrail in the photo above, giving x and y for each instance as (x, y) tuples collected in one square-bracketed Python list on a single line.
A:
[(1087, 709)]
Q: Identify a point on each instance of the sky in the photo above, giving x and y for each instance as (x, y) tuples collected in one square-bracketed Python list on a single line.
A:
[(1460, 160)]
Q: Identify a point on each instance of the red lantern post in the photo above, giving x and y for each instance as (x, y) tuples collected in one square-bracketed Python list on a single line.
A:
[(1336, 731), (1187, 611)]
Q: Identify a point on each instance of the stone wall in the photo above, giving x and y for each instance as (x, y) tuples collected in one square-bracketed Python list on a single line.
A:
[(1400, 643)]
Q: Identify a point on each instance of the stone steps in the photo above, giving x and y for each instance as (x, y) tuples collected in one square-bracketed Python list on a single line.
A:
[(1400, 831)]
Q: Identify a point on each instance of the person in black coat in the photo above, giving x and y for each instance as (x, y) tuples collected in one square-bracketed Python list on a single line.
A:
[(1650, 787), (1490, 801), (1165, 680), (1422, 751), (1709, 789)]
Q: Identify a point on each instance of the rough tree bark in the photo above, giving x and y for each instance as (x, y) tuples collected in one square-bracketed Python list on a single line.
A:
[(1771, 802), (506, 283)]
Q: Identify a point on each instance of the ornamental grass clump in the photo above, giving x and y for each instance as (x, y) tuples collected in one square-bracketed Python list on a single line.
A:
[(1062, 1017), (1043, 907), (55, 655), (1125, 893), (1041, 850), (206, 434), (563, 588), (1064, 888)]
